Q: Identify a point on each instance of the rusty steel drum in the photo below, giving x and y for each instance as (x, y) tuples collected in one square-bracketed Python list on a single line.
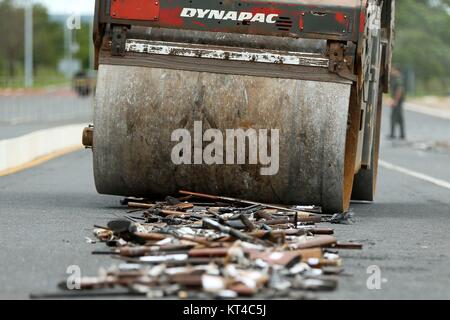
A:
[(138, 108)]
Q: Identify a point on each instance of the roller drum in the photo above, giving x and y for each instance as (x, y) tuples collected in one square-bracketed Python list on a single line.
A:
[(137, 109)]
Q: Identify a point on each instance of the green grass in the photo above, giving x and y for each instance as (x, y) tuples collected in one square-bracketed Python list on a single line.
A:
[(43, 78)]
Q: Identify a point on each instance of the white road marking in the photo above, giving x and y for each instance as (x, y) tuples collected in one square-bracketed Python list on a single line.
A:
[(428, 111), (418, 175)]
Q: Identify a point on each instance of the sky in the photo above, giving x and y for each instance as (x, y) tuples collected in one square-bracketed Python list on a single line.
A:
[(68, 6)]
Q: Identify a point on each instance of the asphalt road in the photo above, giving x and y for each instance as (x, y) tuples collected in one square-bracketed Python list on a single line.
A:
[(46, 213), (20, 115)]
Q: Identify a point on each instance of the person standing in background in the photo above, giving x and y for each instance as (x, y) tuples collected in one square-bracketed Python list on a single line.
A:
[(398, 93)]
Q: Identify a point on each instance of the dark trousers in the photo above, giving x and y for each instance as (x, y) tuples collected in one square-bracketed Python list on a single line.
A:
[(397, 119)]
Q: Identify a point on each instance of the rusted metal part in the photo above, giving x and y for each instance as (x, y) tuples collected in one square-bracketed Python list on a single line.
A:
[(224, 67), (213, 262), (342, 60), (235, 40), (281, 19), (321, 241), (222, 53), (368, 63), (369, 80), (88, 137), (98, 31), (225, 53), (235, 200), (366, 179), (365, 184), (288, 258), (388, 40), (137, 205), (351, 146)]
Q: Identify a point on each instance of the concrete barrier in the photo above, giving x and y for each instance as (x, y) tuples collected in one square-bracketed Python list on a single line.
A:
[(31, 149)]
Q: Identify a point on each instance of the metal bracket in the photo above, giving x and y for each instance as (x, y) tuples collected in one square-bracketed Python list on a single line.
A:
[(143, 10), (88, 137), (118, 40), (342, 60)]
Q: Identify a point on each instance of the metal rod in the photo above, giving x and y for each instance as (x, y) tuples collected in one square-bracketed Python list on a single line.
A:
[(227, 199), (28, 45)]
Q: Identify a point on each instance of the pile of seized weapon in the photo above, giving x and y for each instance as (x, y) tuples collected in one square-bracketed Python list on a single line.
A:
[(221, 249)]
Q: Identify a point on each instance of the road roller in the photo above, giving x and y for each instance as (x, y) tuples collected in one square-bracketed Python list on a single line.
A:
[(199, 94)]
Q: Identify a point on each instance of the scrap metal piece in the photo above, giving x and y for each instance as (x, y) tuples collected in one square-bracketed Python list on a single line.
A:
[(88, 137), (118, 40), (209, 223)]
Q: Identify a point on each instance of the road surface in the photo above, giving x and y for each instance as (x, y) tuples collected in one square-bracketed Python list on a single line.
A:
[(46, 213), (21, 114)]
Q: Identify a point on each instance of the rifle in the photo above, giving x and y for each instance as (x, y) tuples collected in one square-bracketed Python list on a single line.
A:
[(235, 200)]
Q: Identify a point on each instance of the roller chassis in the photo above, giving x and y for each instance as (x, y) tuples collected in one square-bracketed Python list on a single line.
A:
[(352, 43)]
